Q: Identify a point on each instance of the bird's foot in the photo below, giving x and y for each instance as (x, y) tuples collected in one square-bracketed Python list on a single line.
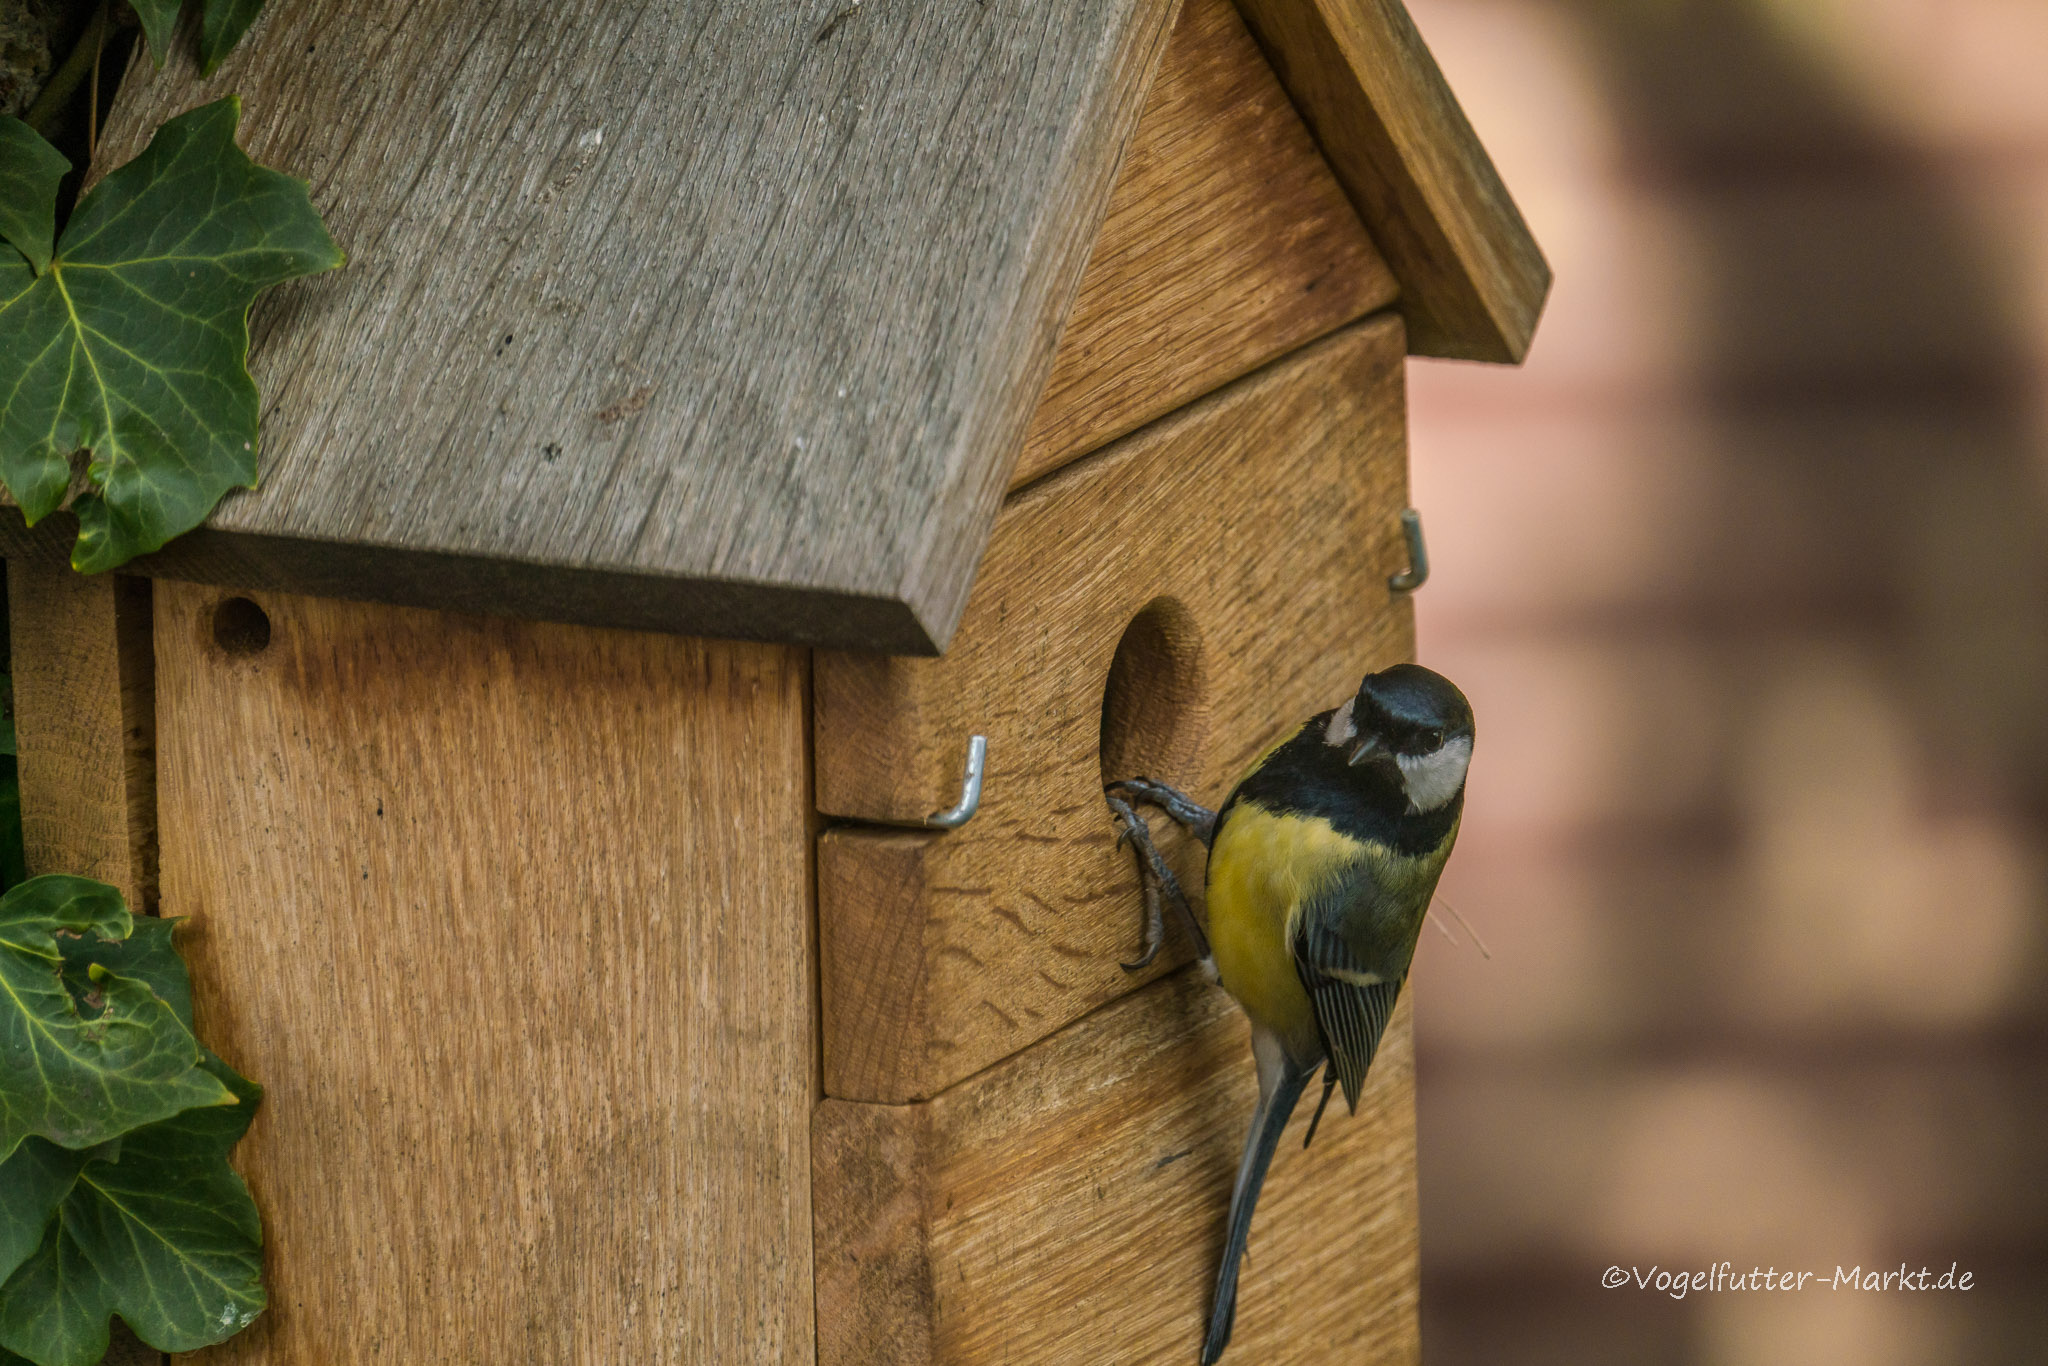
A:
[(1159, 884), (1199, 820)]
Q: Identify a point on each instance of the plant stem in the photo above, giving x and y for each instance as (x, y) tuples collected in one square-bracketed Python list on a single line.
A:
[(92, 104), (82, 62)]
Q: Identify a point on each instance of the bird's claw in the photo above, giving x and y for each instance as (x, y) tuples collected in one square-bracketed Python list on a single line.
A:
[(1155, 878), (1199, 820), (1155, 931)]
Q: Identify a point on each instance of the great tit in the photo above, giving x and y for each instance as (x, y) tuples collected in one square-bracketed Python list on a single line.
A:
[(1322, 862)]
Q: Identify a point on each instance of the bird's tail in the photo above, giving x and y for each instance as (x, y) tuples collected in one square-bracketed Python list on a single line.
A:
[(1281, 1082)]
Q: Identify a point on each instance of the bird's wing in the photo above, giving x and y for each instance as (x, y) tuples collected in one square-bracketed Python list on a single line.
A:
[(1352, 1003)]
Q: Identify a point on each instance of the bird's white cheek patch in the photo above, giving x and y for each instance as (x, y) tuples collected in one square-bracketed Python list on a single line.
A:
[(1341, 729), (1433, 779)]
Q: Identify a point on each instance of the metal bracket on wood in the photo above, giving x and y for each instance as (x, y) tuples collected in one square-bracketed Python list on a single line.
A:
[(960, 812), (1417, 572)]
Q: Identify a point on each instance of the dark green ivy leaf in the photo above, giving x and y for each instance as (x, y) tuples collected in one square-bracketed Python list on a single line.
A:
[(77, 1074), (166, 1236), (29, 171), (33, 1183), (49, 1306), (133, 345), (146, 955), (222, 24), (225, 23)]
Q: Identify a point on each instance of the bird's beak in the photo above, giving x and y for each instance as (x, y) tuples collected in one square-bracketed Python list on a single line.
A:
[(1367, 749)]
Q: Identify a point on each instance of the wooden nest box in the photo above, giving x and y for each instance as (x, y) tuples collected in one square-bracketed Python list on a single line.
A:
[(727, 412)]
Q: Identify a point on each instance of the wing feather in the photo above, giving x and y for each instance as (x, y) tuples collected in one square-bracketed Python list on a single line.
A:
[(1352, 1005)]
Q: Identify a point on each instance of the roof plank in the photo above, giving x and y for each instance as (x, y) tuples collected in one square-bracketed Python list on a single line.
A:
[(710, 317), (1473, 280)]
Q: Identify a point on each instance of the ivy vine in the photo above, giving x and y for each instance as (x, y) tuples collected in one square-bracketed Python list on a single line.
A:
[(125, 398)]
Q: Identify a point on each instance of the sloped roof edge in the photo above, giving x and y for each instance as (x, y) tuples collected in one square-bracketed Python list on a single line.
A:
[(1473, 279)]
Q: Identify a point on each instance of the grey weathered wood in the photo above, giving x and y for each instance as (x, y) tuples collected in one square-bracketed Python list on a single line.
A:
[(667, 313)]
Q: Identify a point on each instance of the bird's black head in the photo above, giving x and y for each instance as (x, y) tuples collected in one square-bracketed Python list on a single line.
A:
[(1411, 725)]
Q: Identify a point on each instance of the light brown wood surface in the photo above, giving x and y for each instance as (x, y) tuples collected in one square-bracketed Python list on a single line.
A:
[(513, 922), (670, 313), (1228, 242), (1472, 278), (85, 724), (1260, 526), (1066, 1207)]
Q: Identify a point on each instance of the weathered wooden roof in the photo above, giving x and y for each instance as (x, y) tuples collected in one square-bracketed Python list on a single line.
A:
[(705, 316), (728, 318)]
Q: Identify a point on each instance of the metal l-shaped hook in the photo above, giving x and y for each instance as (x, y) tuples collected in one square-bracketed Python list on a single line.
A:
[(1417, 572), (962, 811)]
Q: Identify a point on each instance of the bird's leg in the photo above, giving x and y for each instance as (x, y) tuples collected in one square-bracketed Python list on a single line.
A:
[(1329, 1085), (1159, 883), (1199, 820), (1129, 822)]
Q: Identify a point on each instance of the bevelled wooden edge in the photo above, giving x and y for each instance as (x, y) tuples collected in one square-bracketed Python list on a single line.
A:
[(1473, 279), (777, 614)]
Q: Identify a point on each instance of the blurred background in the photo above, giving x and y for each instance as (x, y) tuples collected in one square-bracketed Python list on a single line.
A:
[(1747, 576)]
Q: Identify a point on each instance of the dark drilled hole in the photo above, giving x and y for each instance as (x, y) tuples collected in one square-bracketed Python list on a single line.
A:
[(240, 627), (1154, 704)]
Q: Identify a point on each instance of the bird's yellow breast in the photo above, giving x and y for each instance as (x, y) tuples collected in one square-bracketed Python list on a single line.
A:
[(1262, 868)]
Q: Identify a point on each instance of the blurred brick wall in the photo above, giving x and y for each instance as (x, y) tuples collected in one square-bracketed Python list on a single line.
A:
[(1747, 576)]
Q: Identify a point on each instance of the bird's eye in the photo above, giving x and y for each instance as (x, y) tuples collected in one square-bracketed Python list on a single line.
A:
[(1432, 739)]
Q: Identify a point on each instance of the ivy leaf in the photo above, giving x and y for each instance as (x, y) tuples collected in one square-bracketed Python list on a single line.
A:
[(225, 23), (222, 24), (49, 1307), (166, 1236), (29, 172), (33, 1183), (146, 954), (133, 344), (79, 1073)]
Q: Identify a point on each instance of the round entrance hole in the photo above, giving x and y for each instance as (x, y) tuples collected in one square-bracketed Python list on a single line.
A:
[(240, 627), (1155, 712)]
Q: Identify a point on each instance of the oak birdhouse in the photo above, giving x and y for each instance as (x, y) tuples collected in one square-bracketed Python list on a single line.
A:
[(729, 411)]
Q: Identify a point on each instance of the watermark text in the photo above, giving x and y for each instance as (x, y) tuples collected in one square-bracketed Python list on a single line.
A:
[(1723, 1278)]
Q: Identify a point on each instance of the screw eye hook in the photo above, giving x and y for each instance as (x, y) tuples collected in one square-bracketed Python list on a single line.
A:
[(1417, 572)]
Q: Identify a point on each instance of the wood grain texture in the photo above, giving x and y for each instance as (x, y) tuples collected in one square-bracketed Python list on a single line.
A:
[(1227, 243), (1473, 280), (671, 313), (1252, 533), (85, 722), (1067, 1206), (513, 921)]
